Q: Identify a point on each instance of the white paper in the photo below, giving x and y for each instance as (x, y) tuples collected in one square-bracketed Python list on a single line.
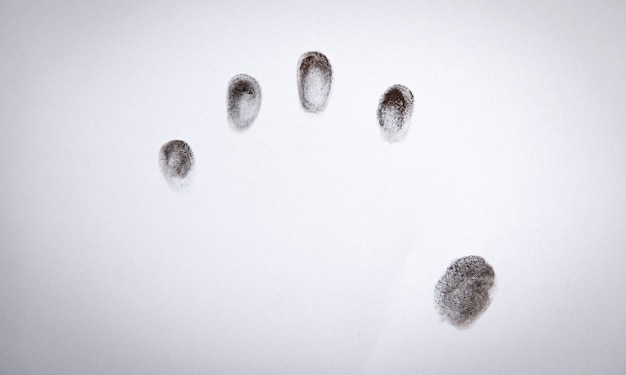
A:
[(307, 244)]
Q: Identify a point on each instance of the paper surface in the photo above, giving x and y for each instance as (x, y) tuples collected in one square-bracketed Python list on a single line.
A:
[(307, 244)]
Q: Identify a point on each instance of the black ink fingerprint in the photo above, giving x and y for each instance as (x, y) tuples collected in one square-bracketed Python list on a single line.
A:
[(315, 77), (176, 161), (244, 101), (462, 293), (394, 112)]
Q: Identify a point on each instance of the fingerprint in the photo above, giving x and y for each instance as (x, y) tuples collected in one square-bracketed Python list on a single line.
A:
[(315, 76), (394, 112), (176, 160), (462, 293), (244, 101)]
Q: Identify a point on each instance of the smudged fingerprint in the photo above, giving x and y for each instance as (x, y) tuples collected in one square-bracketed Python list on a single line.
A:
[(394, 112), (244, 101), (315, 77), (176, 161), (463, 292)]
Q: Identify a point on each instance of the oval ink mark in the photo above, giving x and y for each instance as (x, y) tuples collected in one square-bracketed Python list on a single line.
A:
[(315, 77), (462, 293), (394, 112), (244, 101), (176, 160)]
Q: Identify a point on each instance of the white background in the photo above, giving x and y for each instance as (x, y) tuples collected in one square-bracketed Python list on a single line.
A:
[(307, 244)]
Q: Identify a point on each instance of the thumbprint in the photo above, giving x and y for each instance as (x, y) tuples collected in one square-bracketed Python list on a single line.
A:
[(394, 112), (244, 101), (462, 293), (176, 160), (315, 76)]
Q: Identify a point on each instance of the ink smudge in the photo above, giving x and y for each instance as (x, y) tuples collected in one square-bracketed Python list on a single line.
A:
[(463, 292), (244, 101), (315, 77), (394, 112), (176, 160)]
